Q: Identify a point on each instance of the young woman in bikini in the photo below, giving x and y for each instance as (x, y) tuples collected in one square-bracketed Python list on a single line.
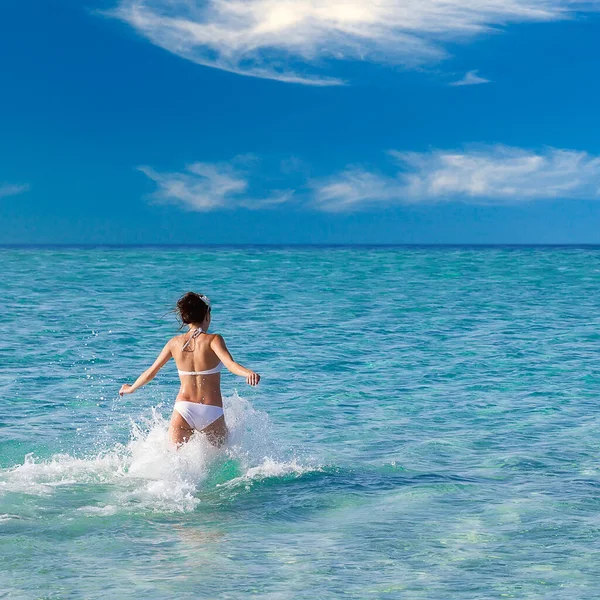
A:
[(199, 357)]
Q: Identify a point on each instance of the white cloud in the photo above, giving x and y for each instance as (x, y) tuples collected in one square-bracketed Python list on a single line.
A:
[(12, 189), (489, 174), (203, 187), (471, 78), (492, 175), (289, 40), (276, 198)]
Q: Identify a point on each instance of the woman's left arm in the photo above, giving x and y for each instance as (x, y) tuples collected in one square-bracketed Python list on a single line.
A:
[(149, 374)]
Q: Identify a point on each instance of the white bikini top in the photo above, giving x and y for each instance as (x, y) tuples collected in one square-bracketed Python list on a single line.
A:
[(212, 371)]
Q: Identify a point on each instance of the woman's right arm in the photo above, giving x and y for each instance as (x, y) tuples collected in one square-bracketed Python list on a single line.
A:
[(220, 349), (149, 374)]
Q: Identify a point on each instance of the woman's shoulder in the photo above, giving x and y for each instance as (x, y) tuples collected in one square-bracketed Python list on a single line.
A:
[(215, 337), (182, 338), (176, 339)]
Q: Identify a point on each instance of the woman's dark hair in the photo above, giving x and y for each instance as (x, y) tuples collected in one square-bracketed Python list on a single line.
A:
[(191, 308)]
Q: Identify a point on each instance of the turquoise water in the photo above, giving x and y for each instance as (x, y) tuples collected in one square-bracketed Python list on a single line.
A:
[(427, 425)]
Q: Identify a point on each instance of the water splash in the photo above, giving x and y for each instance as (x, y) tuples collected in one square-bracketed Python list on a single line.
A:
[(149, 473)]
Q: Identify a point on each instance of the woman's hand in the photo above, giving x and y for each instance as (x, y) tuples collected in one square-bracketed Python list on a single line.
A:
[(253, 378), (125, 389)]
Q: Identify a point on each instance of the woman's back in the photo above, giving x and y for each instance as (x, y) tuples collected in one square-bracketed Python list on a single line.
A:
[(198, 367), (193, 353)]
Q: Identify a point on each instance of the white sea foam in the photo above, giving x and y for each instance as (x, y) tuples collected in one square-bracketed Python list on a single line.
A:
[(269, 468), (7, 517), (149, 473)]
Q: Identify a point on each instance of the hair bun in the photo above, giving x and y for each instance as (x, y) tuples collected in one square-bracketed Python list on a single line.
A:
[(192, 308)]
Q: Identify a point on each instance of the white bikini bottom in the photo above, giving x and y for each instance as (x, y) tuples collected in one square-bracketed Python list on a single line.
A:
[(198, 416)]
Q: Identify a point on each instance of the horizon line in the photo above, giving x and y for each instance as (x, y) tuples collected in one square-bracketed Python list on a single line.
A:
[(297, 245)]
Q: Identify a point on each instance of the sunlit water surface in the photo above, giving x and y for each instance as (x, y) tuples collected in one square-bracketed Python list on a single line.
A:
[(427, 425)]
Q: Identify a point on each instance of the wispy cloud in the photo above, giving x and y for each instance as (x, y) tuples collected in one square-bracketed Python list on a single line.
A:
[(489, 174), (9, 189), (292, 40), (471, 78), (203, 187), (478, 175)]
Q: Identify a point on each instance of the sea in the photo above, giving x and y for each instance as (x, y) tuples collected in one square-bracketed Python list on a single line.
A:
[(426, 427)]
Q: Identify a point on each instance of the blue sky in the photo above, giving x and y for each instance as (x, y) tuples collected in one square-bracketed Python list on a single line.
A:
[(259, 121)]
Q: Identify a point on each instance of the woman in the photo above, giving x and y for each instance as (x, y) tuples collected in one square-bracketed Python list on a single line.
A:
[(199, 357)]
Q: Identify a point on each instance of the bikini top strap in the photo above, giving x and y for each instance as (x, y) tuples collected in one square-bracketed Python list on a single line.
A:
[(194, 335)]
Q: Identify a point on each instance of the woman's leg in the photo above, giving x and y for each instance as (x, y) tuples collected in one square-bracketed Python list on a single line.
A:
[(179, 430), (216, 432)]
